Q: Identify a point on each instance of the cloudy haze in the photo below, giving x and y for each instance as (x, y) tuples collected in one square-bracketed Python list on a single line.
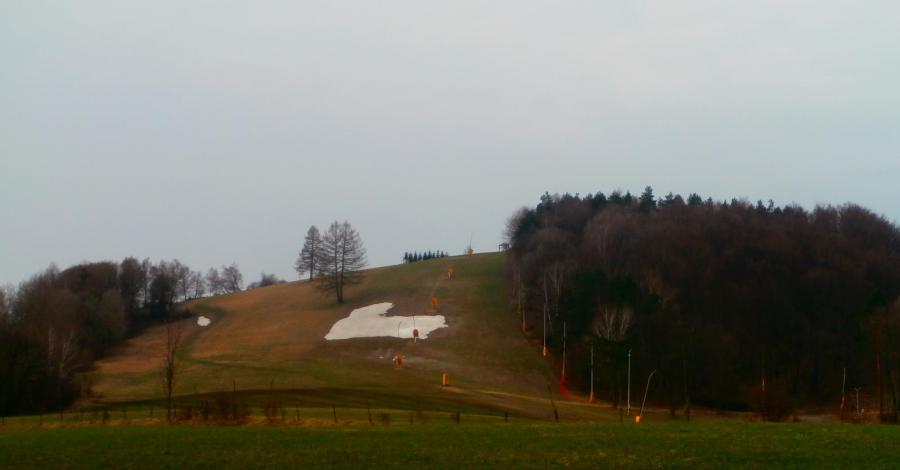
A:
[(218, 131)]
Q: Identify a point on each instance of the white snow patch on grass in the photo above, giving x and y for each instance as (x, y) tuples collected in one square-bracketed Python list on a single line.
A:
[(203, 321), (371, 322)]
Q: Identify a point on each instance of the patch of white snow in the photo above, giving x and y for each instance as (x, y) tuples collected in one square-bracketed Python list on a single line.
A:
[(371, 322)]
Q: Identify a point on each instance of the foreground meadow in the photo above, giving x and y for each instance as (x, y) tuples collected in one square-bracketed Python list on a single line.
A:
[(441, 443)]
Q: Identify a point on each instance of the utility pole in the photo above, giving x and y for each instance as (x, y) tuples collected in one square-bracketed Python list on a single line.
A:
[(564, 354), (591, 396), (628, 409), (544, 348), (843, 392)]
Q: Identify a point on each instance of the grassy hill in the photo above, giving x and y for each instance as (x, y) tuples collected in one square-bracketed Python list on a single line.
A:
[(270, 342), (266, 346)]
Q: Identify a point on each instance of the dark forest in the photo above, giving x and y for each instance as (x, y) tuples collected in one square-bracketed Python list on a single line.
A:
[(735, 305), (57, 322)]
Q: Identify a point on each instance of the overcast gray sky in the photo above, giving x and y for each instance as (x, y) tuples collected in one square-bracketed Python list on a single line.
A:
[(218, 131)]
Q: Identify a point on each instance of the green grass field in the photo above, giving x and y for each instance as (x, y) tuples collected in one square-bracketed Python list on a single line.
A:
[(441, 443)]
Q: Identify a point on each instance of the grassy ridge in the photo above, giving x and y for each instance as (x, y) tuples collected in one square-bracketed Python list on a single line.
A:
[(712, 444), (271, 340)]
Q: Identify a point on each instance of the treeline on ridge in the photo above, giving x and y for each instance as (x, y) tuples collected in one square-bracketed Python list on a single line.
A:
[(412, 257), (734, 305)]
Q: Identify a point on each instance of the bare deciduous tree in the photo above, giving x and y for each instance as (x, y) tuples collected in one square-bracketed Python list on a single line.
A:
[(163, 291), (232, 279), (132, 283), (62, 355), (197, 285), (310, 255), (181, 274), (613, 324), (147, 268), (214, 282), (343, 256), (558, 273), (170, 362)]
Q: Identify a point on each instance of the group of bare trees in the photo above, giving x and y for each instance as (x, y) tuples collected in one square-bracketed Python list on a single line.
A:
[(57, 322), (225, 281), (333, 260), (719, 297)]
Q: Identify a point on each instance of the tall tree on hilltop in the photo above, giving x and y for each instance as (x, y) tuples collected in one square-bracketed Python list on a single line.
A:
[(647, 202), (310, 255), (198, 285), (342, 258), (132, 281), (214, 282), (161, 291), (232, 279), (181, 273)]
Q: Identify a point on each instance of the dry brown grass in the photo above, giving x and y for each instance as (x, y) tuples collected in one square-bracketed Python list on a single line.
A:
[(274, 337), (269, 325), (141, 354)]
